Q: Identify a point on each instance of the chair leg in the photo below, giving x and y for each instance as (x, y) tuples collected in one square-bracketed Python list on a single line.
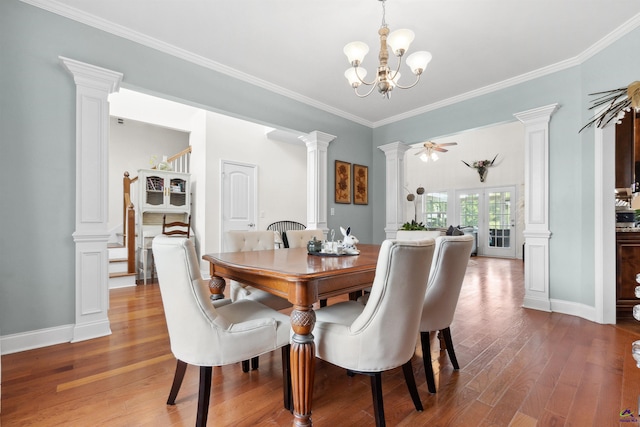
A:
[(378, 405), (446, 333), (204, 394), (245, 366), (323, 303), (286, 378), (426, 360), (407, 369), (181, 368), (255, 363)]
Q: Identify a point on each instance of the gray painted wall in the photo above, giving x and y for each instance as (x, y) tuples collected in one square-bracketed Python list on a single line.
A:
[(571, 155), (37, 137)]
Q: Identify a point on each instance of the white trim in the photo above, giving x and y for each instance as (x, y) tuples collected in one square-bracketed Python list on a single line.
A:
[(29, 340), (317, 144), (93, 86), (394, 177), (604, 256), (121, 31), (574, 309), (536, 201)]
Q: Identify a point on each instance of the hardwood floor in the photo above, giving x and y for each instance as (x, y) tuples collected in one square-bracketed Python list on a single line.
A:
[(519, 367)]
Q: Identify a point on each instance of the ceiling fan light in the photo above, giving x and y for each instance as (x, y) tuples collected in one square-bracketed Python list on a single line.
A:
[(356, 52), (352, 75), (434, 156), (400, 40), (418, 61), (424, 157)]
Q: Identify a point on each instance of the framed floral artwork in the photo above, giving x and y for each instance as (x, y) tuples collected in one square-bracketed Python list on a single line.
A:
[(343, 182), (360, 184)]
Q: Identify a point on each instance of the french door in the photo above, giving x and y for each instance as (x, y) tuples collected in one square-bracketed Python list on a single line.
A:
[(492, 211)]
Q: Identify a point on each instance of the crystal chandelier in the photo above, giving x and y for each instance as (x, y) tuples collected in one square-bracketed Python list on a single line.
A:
[(386, 79)]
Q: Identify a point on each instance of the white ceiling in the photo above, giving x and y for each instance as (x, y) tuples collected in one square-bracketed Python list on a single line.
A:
[(295, 47)]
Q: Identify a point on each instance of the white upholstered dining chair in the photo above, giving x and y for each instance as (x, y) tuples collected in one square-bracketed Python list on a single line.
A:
[(382, 334), (207, 334), (449, 266), (242, 241), (300, 238)]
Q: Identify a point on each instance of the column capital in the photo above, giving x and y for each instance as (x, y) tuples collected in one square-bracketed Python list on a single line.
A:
[(537, 115), (398, 147)]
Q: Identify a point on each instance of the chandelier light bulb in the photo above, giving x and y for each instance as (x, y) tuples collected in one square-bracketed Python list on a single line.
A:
[(400, 40), (352, 75), (356, 52), (418, 61)]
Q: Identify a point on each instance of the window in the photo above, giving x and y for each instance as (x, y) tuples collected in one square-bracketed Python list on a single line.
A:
[(435, 210), (469, 210)]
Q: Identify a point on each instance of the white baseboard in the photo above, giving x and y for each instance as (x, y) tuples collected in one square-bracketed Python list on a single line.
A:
[(36, 339), (573, 308)]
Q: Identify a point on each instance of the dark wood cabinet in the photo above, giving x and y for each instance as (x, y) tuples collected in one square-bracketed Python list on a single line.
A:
[(627, 266), (625, 152)]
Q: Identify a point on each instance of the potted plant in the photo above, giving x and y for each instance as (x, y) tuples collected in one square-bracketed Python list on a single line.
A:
[(415, 231)]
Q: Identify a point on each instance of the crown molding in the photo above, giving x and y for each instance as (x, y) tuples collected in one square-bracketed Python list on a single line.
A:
[(140, 38), (603, 43), (121, 31)]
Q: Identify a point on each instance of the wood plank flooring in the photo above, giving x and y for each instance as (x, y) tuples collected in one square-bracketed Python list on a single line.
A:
[(519, 368)]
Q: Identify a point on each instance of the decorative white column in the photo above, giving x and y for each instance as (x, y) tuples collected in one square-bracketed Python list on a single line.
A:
[(93, 86), (317, 143), (394, 154), (536, 214)]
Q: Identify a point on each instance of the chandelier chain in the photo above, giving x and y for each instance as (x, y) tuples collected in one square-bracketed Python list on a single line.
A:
[(384, 13)]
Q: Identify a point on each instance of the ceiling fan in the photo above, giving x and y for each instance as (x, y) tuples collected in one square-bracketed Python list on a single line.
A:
[(430, 148)]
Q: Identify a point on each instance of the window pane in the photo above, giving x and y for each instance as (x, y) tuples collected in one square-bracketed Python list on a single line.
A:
[(469, 210), (435, 210), (499, 219)]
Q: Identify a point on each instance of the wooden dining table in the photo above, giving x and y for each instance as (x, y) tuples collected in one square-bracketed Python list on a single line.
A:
[(303, 279)]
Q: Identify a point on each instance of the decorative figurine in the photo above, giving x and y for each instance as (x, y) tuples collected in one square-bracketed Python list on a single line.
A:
[(349, 241)]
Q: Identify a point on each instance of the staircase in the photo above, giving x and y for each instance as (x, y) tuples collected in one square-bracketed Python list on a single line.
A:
[(118, 275), (122, 257)]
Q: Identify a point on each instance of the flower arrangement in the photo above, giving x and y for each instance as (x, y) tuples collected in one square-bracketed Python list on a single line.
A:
[(481, 166)]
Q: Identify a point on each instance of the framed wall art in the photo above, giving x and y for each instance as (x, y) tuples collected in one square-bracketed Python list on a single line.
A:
[(343, 182), (360, 184)]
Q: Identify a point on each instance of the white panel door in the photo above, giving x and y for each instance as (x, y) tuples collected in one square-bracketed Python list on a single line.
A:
[(239, 197)]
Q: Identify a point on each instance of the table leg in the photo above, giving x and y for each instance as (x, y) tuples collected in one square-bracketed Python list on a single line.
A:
[(216, 287), (303, 356)]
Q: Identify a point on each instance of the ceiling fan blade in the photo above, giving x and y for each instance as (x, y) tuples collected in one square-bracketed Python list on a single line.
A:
[(444, 144), (424, 150), (442, 150)]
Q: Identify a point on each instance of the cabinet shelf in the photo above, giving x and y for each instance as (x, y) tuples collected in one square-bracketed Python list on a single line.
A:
[(164, 191)]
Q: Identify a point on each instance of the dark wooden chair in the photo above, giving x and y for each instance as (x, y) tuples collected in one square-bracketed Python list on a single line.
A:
[(283, 226), (176, 228)]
